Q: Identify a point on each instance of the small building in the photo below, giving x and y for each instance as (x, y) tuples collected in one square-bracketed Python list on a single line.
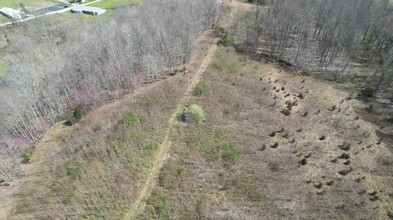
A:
[(12, 14), (87, 10)]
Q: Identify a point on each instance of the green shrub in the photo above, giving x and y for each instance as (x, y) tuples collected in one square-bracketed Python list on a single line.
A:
[(193, 113), (218, 64), (222, 64), (369, 91), (129, 119), (27, 155), (200, 90), (226, 41), (228, 153), (79, 112)]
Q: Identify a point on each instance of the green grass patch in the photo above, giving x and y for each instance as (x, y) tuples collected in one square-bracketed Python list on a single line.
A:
[(115, 3), (180, 171), (219, 64), (68, 15), (369, 91), (226, 41), (200, 90), (213, 143), (158, 205), (27, 155), (228, 154), (16, 3), (150, 149), (79, 112), (129, 119), (223, 64), (4, 19)]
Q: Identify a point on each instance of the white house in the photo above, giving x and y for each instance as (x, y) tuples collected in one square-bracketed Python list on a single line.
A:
[(87, 10), (12, 14)]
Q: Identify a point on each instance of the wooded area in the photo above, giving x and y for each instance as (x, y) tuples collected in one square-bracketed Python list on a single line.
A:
[(54, 67), (351, 38)]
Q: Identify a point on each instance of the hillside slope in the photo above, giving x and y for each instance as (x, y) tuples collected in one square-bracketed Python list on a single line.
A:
[(274, 145), (97, 167), (250, 160)]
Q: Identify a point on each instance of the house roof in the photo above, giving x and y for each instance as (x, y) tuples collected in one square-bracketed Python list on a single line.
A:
[(11, 13), (80, 8)]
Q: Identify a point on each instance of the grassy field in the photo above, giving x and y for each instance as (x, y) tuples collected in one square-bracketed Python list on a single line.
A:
[(98, 173), (251, 160), (96, 167), (274, 145), (16, 3), (3, 19), (115, 3)]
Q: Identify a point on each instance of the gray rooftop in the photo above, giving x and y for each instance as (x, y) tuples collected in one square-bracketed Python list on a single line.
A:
[(82, 9)]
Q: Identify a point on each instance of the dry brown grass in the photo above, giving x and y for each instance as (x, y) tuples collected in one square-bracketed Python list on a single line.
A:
[(229, 167), (96, 168), (199, 182)]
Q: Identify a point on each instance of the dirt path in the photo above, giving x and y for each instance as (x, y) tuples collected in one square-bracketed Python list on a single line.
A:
[(162, 154)]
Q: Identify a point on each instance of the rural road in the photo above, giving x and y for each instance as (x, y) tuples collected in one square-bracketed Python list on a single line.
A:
[(164, 148)]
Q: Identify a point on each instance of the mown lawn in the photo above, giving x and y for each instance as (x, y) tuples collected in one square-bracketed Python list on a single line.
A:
[(115, 3), (16, 3), (3, 19)]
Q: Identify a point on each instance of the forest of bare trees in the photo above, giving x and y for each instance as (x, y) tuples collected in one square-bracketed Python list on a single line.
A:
[(332, 37), (54, 67)]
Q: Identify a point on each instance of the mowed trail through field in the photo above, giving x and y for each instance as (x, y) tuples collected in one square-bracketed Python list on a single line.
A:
[(162, 153)]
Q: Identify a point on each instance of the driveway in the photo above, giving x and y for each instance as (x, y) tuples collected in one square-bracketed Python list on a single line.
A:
[(50, 9)]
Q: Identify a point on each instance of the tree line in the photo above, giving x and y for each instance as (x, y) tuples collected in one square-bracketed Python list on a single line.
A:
[(55, 66), (328, 36)]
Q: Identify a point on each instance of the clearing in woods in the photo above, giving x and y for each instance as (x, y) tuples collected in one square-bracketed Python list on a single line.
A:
[(162, 154), (275, 145)]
